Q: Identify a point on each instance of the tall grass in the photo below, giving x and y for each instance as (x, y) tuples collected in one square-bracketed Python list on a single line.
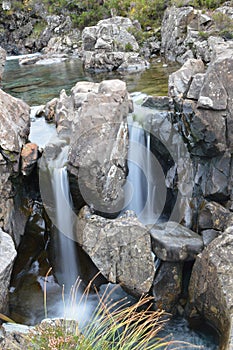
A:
[(113, 325)]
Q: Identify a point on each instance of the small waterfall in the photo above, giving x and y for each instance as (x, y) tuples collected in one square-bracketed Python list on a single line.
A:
[(134, 191), (141, 188), (67, 271)]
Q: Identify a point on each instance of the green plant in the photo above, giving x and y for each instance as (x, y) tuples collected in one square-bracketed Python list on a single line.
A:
[(128, 47)]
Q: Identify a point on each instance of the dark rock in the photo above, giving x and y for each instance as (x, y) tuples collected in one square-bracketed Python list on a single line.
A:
[(167, 286), (210, 289), (7, 257), (174, 242), (209, 235), (160, 102), (213, 216)]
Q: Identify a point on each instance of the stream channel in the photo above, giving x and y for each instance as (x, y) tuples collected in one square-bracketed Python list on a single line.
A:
[(36, 85)]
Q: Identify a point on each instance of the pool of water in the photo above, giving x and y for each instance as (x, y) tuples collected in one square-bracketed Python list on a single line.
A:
[(38, 84)]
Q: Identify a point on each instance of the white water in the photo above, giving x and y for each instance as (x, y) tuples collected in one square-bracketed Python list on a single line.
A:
[(68, 271), (142, 184)]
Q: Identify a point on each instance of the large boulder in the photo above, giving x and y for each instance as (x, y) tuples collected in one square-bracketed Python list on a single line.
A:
[(111, 35), (110, 46), (174, 242), (7, 257), (211, 286), (98, 144), (120, 248)]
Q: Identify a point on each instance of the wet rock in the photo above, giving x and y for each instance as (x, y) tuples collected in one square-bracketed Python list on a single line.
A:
[(7, 257), (120, 248), (167, 286), (29, 156), (210, 289), (214, 216), (98, 144), (160, 102), (174, 242), (179, 81), (209, 235)]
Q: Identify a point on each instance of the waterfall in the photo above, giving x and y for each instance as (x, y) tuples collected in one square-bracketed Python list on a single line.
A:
[(67, 270), (141, 189)]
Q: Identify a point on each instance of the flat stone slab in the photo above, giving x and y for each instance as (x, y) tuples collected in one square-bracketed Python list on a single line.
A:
[(174, 242)]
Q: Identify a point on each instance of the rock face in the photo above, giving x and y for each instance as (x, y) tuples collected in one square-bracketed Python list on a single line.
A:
[(189, 33), (7, 257), (173, 242), (15, 122), (120, 248), (2, 61), (210, 290), (110, 46), (98, 143), (29, 156)]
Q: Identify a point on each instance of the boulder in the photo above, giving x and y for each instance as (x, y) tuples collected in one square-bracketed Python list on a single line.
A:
[(29, 157), (15, 123), (167, 286), (120, 248), (110, 46), (179, 81), (195, 86), (174, 242), (211, 287), (213, 215), (110, 35), (110, 61), (98, 144), (7, 257)]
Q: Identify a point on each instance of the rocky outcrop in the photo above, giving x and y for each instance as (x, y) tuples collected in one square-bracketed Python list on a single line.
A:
[(120, 248), (7, 257), (190, 33), (98, 143), (15, 122), (110, 46), (2, 61), (111, 35), (210, 290)]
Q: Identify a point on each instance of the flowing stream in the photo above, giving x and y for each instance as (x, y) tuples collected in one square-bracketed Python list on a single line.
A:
[(39, 84)]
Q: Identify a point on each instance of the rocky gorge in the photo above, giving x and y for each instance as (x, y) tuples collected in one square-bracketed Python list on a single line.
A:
[(189, 128)]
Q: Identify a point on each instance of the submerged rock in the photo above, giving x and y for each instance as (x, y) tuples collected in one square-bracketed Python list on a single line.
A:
[(174, 242), (120, 248)]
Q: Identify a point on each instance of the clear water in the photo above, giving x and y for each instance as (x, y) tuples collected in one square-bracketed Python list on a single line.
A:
[(38, 84)]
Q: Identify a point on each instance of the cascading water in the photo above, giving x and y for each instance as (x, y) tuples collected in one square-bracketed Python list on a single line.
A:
[(67, 270), (142, 184)]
